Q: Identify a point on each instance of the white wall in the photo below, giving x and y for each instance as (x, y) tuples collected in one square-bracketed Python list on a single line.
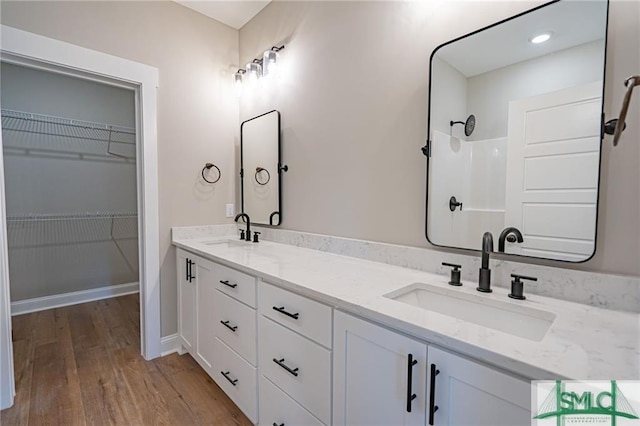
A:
[(448, 98), (489, 94), (197, 106), (354, 113), (54, 257)]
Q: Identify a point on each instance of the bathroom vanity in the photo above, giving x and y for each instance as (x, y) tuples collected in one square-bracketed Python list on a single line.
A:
[(300, 336)]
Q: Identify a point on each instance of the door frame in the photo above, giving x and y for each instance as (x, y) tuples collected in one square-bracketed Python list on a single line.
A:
[(36, 51)]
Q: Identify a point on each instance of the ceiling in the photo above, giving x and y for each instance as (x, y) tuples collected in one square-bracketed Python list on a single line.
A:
[(234, 13), (571, 22)]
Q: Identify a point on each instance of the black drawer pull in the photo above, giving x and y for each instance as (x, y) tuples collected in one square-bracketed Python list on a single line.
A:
[(226, 376), (280, 362), (226, 282), (410, 395), (226, 324), (190, 275), (276, 424), (432, 393), (283, 312)]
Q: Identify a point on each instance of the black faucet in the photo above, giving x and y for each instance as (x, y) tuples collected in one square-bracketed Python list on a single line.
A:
[(506, 234), (484, 282), (246, 219)]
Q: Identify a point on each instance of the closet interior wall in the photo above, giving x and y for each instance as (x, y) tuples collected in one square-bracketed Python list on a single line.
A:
[(70, 172)]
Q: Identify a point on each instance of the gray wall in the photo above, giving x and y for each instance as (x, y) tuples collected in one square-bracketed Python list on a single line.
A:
[(49, 257), (354, 114), (197, 104)]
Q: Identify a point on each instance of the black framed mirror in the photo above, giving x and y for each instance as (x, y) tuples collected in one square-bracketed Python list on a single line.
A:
[(515, 133), (261, 169)]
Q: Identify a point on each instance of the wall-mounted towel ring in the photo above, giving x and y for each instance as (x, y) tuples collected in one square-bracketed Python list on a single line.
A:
[(263, 181), (209, 166)]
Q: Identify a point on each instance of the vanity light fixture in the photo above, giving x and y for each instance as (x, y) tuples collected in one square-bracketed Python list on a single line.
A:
[(540, 38), (262, 67)]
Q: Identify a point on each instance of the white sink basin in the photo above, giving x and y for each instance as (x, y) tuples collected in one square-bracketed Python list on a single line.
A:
[(227, 243), (516, 319)]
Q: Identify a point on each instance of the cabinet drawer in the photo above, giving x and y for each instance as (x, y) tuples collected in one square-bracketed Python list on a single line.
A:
[(239, 381), (236, 284), (235, 325), (298, 366), (307, 317), (276, 408)]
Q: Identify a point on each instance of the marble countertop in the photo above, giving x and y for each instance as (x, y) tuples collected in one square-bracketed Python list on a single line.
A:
[(584, 342)]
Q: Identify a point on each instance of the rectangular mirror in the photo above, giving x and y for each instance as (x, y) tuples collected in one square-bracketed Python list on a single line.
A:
[(515, 129), (260, 168)]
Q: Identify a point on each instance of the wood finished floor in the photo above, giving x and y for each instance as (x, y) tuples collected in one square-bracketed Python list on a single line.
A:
[(81, 365)]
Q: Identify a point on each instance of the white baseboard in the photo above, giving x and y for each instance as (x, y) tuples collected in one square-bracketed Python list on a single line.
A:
[(59, 300), (169, 344)]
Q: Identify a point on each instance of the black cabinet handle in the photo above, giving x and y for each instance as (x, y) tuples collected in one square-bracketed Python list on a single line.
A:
[(226, 282), (280, 362), (226, 376), (186, 269), (410, 395), (432, 393), (190, 276), (276, 424), (283, 312), (226, 324)]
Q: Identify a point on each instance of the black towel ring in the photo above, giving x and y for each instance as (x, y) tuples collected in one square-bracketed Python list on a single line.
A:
[(207, 167), (262, 169)]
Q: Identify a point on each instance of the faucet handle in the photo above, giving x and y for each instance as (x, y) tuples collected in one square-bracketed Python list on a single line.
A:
[(242, 234), (455, 273), (255, 236), (517, 286)]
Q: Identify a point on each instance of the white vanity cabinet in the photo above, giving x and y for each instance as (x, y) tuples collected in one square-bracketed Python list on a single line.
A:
[(294, 358), (376, 374), (232, 326), (186, 300), (374, 380), (195, 306), (302, 363), (469, 393), (217, 324)]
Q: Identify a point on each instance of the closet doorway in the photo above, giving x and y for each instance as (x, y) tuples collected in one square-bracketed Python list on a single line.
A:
[(30, 50), (69, 148)]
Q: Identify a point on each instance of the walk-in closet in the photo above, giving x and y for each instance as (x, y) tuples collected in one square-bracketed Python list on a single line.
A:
[(69, 148)]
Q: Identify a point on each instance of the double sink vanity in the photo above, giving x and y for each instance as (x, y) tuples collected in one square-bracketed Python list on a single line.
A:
[(300, 336)]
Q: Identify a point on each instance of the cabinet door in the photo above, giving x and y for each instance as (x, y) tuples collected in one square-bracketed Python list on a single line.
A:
[(205, 328), (471, 394), (186, 301), (374, 379)]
